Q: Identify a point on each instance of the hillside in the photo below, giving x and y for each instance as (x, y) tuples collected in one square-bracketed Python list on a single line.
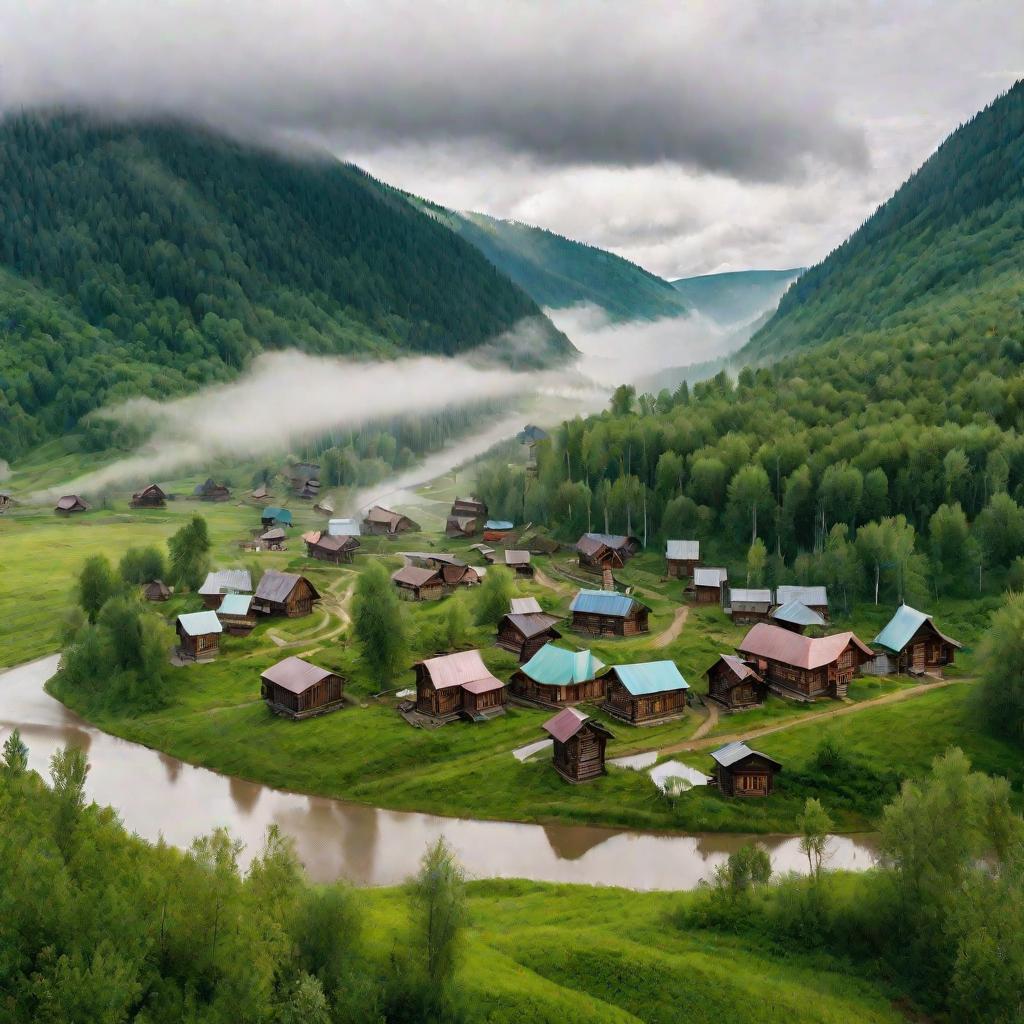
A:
[(738, 296), (942, 255), (558, 272), (152, 258)]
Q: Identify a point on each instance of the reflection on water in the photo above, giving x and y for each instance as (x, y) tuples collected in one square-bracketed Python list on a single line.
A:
[(159, 795)]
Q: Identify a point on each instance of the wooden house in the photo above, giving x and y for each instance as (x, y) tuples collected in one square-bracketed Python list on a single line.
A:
[(224, 581), (796, 616), (272, 515), (498, 531), (284, 593), (149, 497), (299, 689), (740, 771), (473, 507), (155, 590), (326, 548), (210, 490), (199, 635), (525, 635), (524, 606), (455, 685), (555, 677), (70, 504), (236, 614), (607, 613), (578, 745), (416, 583), (519, 562), (459, 575), (643, 694), (734, 685), (461, 526), (803, 667), (681, 558), (815, 598), (746, 605), (599, 551), (911, 643), (382, 521), (707, 584)]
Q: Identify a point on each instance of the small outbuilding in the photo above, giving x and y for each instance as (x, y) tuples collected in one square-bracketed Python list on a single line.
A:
[(461, 526), (417, 583), (327, 548), (740, 771), (346, 527), (210, 490), (599, 551), (70, 504), (796, 616), (519, 562), (300, 689), (707, 584), (236, 614), (734, 684), (578, 745), (382, 521), (149, 497), (458, 685), (497, 531), (747, 605), (608, 613), (645, 693), (540, 544), (815, 598), (273, 515), (273, 539), (912, 643), (469, 507), (284, 593), (555, 677), (525, 635), (199, 635), (681, 558), (155, 590), (224, 581)]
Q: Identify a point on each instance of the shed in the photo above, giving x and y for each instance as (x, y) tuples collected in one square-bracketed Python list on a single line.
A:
[(273, 515), (911, 642), (519, 562), (149, 497), (525, 635), (748, 605), (284, 593), (155, 590), (645, 693), (300, 689), (461, 526), (210, 490), (681, 558), (599, 551), (224, 581), (273, 539), (383, 521), (459, 684), (740, 771), (540, 544), (815, 598), (554, 677), (735, 684), (707, 584), (198, 635), (472, 507), (579, 745), (796, 616), (607, 613), (524, 606), (236, 614), (416, 583), (327, 548), (69, 504)]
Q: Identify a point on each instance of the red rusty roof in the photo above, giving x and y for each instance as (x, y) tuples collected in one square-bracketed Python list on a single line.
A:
[(778, 644)]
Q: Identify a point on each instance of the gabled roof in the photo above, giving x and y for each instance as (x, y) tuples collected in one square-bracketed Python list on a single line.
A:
[(281, 515), (767, 641), (568, 722), (150, 489), (464, 668), (200, 623), (295, 675), (710, 576), (591, 543), (70, 501), (517, 557), (797, 613), (532, 624), (813, 597), (276, 586), (901, 628), (498, 524), (732, 753), (650, 677), (222, 581), (555, 666), (740, 669), (603, 602), (683, 550), (341, 542), (524, 606), (415, 576), (741, 595), (343, 528), (235, 604)]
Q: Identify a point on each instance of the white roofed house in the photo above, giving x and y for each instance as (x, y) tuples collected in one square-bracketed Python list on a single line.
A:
[(681, 558), (748, 605), (708, 583)]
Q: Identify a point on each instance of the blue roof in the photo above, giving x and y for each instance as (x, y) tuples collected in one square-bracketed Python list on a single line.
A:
[(235, 604), (497, 524), (650, 677), (902, 627), (798, 613), (280, 515), (556, 666), (200, 623), (602, 602)]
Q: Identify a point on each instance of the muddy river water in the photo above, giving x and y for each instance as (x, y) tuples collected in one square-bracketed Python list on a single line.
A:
[(157, 795)]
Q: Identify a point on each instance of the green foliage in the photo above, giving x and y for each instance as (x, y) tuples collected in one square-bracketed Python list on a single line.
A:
[(68, 768), (1002, 669), (15, 756), (189, 549), (438, 896), (141, 565), (456, 624), (815, 826), (378, 624), (747, 868), (494, 595), (96, 585)]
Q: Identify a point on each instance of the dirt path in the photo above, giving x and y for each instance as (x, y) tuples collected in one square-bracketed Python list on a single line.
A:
[(708, 724), (541, 577), (666, 636)]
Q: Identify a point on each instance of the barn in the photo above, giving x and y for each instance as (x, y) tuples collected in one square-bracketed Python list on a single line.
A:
[(284, 593), (681, 558), (326, 548), (382, 521), (458, 685), (525, 635), (608, 613), (149, 497), (740, 771), (299, 689), (198, 635), (554, 677), (578, 745), (912, 643), (645, 693), (734, 685)]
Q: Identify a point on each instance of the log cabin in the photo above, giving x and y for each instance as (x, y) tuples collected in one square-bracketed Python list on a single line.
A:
[(272, 539), (461, 526), (815, 598), (299, 689), (284, 593), (746, 605), (455, 576), (740, 771), (735, 685), (199, 635), (498, 531), (681, 558), (599, 551), (645, 693), (149, 497), (236, 614), (272, 515), (382, 521), (325, 548), (69, 504), (555, 677), (607, 613), (525, 635), (578, 745), (472, 507), (416, 583), (458, 685), (706, 586), (224, 581), (519, 562), (155, 590), (801, 667), (796, 616), (210, 490), (911, 643)]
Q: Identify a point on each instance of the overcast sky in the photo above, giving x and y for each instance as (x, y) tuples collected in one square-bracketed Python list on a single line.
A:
[(689, 137)]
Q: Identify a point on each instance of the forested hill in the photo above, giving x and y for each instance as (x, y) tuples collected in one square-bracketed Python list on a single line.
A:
[(558, 272), (737, 296), (942, 255), (150, 259)]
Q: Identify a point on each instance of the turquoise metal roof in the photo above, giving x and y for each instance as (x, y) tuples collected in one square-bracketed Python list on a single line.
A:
[(555, 666), (602, 602), (200, 623), (497, 524), (235, 604), (651, 677), (280, 515), (798, 613), (901, 627)]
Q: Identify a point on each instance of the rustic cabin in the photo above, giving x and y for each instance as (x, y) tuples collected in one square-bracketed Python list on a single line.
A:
[(210, 490), (740, 771), (815, 598), (299, 689), (707, 584), (554, 677), (525, 635), (198, 635), (284, 593), (343, 528), (579, 744), (519, 562), (540, 544), (236, 614), (261, 493), (498, 531), (911, 643), (273, 539), (803, 667), (599, 551), (382, 521), (274, 516), (455, 685), (745, 605), (459, 575), (681, 558), (645, 694), (524, 606), (304, 479), (461, 526), (69, 504), (326, 548), (797, 617), (473, 507), (733, 684), (155, 590), (607, 613), (149, 497), (224, 581), (415, 583)]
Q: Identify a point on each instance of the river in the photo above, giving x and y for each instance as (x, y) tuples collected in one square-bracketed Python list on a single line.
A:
[(157, 795)]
